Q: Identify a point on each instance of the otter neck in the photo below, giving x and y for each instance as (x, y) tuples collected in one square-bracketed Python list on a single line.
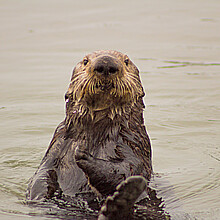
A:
[(95, 128)]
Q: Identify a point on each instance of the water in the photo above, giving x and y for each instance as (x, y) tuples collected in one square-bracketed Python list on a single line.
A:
[(175, 44)]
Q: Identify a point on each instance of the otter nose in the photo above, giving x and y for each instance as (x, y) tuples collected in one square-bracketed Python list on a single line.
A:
[(106, 66)]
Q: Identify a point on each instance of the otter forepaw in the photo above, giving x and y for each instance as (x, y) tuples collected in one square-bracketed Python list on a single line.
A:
[(80, 154), (120, 204), (82, 158)]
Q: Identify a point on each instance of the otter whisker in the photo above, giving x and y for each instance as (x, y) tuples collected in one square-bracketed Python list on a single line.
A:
[(133, 78), (77, 76), (126, 87), (87, 85), (81, 82), (129, 89), (120, 88)]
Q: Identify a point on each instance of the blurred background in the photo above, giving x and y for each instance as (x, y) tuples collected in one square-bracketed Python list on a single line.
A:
[(176, 46)]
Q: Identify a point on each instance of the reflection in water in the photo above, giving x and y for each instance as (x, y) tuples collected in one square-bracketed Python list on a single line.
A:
[(174, 64), (86, 205)]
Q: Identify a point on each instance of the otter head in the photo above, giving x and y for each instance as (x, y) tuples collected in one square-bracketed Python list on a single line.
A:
[(104, 80)]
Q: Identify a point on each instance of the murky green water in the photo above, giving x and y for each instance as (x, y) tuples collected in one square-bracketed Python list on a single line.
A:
[(175, 44)]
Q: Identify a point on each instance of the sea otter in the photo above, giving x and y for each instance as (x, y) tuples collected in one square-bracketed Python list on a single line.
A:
[(102, 143)]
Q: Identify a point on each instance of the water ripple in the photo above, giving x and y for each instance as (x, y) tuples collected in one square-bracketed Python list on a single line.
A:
[(175, 64)]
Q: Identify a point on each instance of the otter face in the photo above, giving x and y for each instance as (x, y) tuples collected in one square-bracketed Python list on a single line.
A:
[(104, 79)]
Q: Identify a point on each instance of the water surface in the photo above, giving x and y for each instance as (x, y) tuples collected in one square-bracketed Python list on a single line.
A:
[(175, 44)]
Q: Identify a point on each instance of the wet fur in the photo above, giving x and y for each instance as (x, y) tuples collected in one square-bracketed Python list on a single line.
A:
[(102, 140)]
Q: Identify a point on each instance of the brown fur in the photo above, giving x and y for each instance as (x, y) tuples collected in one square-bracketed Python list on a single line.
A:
[(102, 140)]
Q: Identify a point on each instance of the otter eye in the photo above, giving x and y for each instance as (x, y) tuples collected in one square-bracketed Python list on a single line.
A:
[(85, 61), (126, 61)]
